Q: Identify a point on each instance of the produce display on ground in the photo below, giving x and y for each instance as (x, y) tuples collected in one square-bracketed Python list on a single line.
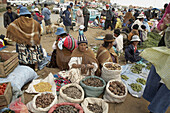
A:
[(73, 92), (124, 77), (137, 68), (95, 82), (95, 108), (66, 109), (8, 111), (141, 80), (117, 88), (112, 66), (2, 88), (149, 64), (136, 87), (43, 87), (44, 100)]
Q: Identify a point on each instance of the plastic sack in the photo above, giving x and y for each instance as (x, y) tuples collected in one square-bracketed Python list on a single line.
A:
[(19, 78), (49, 79), (92, 91), (32, 106), (77, 106), (111, 97), (64, 98), (110, 74), (97, 101), (18, 107)]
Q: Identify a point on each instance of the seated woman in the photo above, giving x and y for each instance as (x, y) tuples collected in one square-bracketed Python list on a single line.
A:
[(63, 47), (133, 32), (96, 21), (131, 52), (83, 59), (106, 53)]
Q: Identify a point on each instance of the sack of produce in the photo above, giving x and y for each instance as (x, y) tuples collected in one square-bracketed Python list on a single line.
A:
[(66, 108), (42, 85), (42, 102), (94, 105), (73, 93), (18, 107), (111, 71), (93, 86), (116, 91)]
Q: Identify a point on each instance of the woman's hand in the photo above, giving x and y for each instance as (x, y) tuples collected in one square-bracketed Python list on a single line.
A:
[(89, 66)]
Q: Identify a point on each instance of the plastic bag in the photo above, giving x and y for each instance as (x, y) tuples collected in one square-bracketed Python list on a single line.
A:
[(32, 106), (49, 79), (92, 91), (110, 74), (111, 97), (18, 107), (77, 106), (64, 98), (19, 78), (97, 101)]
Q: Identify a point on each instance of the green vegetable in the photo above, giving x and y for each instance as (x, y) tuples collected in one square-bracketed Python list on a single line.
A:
[(124, 77), (136, 87), (137, 68), (148, 65), (141, 80)]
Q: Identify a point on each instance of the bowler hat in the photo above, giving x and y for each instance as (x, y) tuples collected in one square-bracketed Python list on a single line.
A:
[(24, 11), (109, 38), (60, 31)]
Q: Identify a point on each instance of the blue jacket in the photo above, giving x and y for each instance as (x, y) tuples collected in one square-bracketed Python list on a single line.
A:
[(66, 18), (46, 12), (130, 55)]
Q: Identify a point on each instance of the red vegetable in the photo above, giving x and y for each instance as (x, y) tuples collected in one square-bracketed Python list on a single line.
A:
[(2, 88)]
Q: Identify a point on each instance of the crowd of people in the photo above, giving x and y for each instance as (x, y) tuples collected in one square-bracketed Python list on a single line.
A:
[(69, 53)]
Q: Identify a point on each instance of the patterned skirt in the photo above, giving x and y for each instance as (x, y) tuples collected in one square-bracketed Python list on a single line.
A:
[(29, 54)]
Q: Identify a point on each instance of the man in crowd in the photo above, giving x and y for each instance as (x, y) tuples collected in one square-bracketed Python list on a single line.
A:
[(9, 16), (108, 18), (67, 19), (46, 13), (86, 14)]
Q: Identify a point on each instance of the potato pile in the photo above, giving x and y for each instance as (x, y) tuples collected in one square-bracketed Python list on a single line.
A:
[(136, 87), (43, 87), (73, 92), (95, 82), (117, 88), (66, 109), (95, 108), (112, 66), (44, 100)]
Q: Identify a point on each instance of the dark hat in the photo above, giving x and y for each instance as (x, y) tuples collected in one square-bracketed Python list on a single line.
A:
[(82, 39), (68, 6), (109, 38)]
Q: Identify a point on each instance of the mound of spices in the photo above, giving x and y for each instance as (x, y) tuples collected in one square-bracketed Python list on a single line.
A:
[(44, 100), (95, 108), (43, 87), (95, 82), (66, 109), (73, 92), (117, 88), (113, 66)]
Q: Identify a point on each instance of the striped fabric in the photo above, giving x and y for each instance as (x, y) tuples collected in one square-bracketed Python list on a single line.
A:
[(70, 43)]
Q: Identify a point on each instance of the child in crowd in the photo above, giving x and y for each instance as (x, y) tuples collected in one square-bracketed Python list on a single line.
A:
[(81, 28), (133, 32), (131, 52)]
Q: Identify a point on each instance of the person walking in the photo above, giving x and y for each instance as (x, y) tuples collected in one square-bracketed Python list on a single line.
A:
[(9, 16), (67, 19), (46, 13), (86, 14), (108, 18), (80, 18)]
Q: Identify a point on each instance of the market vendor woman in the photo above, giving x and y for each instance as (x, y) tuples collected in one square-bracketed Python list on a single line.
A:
[(83, 58), (25, 31), (131, 52), (106, 53)]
